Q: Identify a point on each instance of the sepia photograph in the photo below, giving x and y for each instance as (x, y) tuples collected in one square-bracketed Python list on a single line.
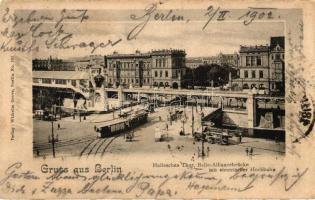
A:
[(176, 92), (161, 99)]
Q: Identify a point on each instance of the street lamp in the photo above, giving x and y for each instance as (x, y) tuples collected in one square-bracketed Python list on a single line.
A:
[(192, 114), (183, 119), (52, 138), (192, 118)]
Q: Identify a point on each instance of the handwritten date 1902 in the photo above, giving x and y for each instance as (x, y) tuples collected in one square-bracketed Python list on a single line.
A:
[(256, 14)]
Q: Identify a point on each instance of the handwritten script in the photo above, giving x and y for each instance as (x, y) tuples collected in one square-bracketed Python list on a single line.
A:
[(18, 180), (32, 30), (54, 36)]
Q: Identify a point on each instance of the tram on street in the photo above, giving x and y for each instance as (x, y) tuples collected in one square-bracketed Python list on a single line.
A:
[(214, 136), (116, 126)]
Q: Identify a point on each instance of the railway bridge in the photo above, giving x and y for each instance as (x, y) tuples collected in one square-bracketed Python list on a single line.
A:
[(239, 108), (246, 109)]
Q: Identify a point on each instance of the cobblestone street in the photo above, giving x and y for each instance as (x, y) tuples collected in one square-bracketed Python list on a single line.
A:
[(77, 138)]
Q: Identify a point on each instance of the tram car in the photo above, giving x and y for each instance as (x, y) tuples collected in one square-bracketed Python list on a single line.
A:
[(214, 136), (113, 127), (138, 118)]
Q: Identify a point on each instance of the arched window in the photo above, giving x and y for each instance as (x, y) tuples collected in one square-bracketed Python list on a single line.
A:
[(253, 86), (235, 86), (261, 86), (175, 85), (246, 74), (245, 86)]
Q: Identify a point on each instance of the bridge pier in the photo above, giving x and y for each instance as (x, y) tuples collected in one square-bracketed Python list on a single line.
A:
[(105, 97), (121, 97), (138, 97), (251, 112)]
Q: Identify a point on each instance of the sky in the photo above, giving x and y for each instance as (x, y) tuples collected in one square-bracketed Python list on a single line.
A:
[(225, 37)]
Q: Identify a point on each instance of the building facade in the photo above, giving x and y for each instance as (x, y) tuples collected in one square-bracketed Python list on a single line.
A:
[(193, 63), (52, 64), (262, 67), (254, 67), (222, 59), (277, 64), (158, 68)]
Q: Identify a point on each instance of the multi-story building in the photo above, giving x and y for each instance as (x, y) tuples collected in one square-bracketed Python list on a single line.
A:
[(229, 59), (158, 68), (262, 67), (193, 63), (254, 67), (52, 64), (276, 60), (222, 59)]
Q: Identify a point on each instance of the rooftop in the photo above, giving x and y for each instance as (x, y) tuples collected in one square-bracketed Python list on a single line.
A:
[(148, 54), (257, 48), (194, 60), (274, 41)]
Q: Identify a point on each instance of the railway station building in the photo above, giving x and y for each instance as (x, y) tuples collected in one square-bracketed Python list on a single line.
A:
[(158, 68)]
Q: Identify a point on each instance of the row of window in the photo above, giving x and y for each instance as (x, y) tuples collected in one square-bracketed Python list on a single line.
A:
[(132, 74), (253, 73), (253, 60), (57, 81), (277, 56), (166, 84), (161, 73), (46, 80), (260, 86), (127, 65), (257, 60), (160, 62), (127, 80), (61, 81)]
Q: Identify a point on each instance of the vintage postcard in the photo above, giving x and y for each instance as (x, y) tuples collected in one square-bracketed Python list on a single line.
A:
[(160, 99)]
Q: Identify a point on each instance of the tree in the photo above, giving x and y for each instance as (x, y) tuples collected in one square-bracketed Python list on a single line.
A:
[(204, 74)]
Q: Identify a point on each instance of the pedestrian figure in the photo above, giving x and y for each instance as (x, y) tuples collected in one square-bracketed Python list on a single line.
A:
[(251, 151), (58, 126), (160, 118), (240, 137), (208, 151), (167, 127), (247, 151), (37, 152)]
